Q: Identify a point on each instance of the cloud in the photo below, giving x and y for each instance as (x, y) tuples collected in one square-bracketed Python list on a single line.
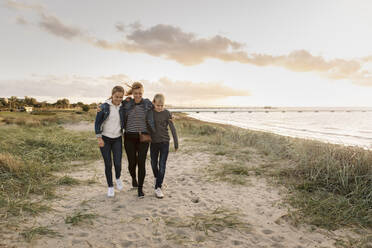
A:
[(188, 49), (188, 92), (22, 6), (54, 26), (120, 27), (21, 21), (96, 89)]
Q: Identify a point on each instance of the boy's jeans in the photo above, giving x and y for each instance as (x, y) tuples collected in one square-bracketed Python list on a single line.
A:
[(158, 164)]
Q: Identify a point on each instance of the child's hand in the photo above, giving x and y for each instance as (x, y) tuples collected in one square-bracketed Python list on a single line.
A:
[(98, 109), (101, 143)]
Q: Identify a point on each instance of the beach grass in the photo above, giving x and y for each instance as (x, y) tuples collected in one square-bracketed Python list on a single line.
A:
[(31, 233), (79, 217), (29, 156), (330, 185), (216, 220), (67, 180), (45, 118)]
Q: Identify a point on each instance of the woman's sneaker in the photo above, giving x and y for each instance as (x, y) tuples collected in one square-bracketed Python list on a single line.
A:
[(159, 193), (140, 193), (119, 184), (110, 192), (134, 183)]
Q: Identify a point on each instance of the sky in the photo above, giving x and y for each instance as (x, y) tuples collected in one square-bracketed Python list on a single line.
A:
[(197, 53)]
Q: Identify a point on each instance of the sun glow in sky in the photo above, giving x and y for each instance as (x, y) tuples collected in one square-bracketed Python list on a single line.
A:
[(209, 53)]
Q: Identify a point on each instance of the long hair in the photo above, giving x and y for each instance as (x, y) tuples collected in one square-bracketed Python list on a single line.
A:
[(134, 86)]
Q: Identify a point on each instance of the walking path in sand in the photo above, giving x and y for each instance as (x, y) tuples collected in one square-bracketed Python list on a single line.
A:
[(126, 221)]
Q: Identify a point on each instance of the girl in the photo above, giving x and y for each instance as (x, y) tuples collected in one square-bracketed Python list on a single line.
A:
[(138, 122), (109, 129)]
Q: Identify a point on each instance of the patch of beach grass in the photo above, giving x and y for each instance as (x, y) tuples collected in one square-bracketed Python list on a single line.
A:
[(233, 172), (17, 207), (28, 157), (45, 118), (31, 233), (363, 242), (214, 221), (67, 180), (80, 218)]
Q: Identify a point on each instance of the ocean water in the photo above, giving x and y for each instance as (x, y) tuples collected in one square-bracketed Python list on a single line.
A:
[(348, 127)]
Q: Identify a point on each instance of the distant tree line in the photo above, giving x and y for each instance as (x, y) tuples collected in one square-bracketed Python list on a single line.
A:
[(15, 103)]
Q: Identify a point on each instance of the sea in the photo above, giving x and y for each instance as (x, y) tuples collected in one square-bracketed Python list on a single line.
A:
[(347, 126)]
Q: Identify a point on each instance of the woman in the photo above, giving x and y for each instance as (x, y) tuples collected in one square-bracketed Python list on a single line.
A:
[(138, 120)]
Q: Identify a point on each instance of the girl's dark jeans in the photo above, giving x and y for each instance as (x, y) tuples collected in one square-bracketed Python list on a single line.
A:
[(159, 154), (115, 147)]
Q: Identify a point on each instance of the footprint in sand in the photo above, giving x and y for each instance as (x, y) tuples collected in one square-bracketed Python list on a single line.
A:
[(83, 234), (171, 210), (277, 245), (277, 238), (237, 242), (126, 243), (267, 231)]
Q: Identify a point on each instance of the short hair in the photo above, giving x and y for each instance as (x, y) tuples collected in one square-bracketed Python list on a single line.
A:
[(159, 97)]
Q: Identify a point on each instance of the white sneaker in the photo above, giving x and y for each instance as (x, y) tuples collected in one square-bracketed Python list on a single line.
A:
[(159, 193), (119, 184), (110, 192)]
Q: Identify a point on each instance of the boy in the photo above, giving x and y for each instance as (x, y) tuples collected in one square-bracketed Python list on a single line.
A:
[(160, 142)]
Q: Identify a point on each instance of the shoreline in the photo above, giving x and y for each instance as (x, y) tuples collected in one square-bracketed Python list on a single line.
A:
[(282, 133)]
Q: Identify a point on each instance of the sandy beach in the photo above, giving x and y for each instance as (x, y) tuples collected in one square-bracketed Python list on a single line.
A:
[(195, 212)]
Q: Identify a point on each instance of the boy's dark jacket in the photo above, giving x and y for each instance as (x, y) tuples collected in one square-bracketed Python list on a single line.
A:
[(126, 106)]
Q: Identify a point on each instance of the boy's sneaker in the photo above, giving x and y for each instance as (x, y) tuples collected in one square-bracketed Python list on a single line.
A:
[(110, 192), (159, 193), (119, 184), (140, 193)]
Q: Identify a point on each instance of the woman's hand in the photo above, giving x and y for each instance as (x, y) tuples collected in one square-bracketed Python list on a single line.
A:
[(98, 109), (101, 143)]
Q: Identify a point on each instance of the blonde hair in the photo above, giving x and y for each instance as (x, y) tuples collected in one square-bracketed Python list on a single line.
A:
[(159, 97), (134, 86), (116, 89)]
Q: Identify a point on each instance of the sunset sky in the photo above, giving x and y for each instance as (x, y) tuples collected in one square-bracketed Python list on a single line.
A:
[(209, 53)]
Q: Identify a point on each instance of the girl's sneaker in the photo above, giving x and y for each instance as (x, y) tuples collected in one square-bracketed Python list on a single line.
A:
[(159, 193), (110, 192), (119, 184)]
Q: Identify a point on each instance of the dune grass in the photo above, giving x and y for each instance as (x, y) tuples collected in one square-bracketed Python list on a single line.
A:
[(331, 184), (79, 218), (211, 222), (46, 118), (28, 157), (235, 172), (31, 233), (67, 180)]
